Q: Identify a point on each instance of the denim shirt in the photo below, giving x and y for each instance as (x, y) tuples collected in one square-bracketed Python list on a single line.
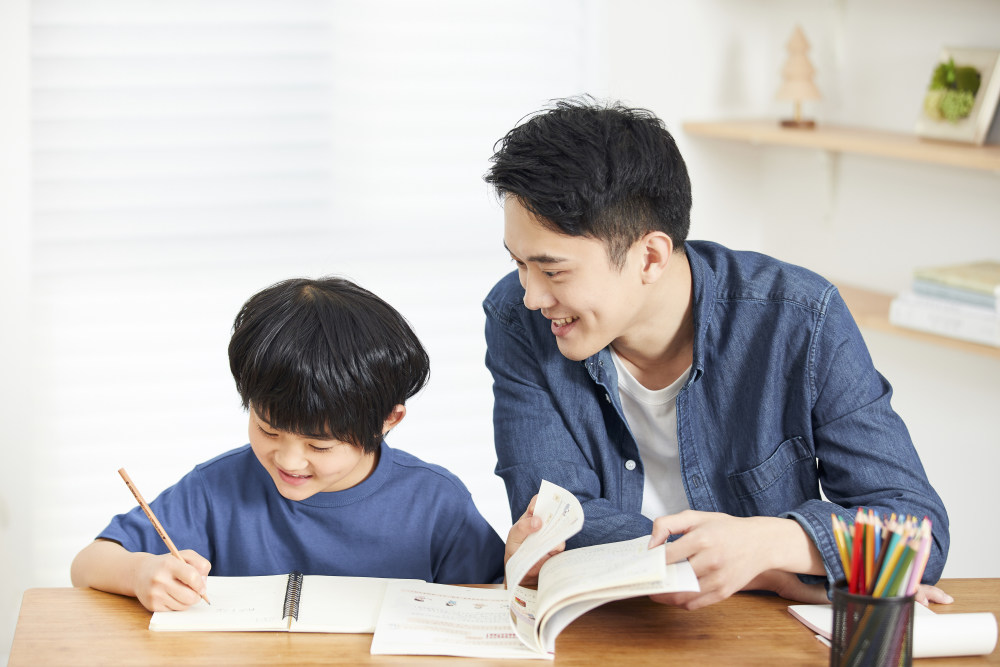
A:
[(782, 401)]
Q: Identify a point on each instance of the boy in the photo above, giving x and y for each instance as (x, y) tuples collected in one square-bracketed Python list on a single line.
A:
[(324, 369), (680, 388)]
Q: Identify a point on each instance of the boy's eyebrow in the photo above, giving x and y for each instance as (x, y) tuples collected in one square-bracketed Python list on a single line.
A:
[(538, 259)]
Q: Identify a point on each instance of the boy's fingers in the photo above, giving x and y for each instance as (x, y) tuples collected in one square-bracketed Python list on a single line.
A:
[(192, 573), (197, 561)]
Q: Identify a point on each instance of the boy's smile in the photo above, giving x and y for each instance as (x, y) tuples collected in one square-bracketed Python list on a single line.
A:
[(302, 467)]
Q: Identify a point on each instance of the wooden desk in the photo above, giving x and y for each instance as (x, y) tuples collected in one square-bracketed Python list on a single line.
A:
[(68, 626)]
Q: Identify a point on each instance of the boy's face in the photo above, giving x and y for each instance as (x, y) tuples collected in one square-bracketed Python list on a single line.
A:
[(302, 467), (571, 280)]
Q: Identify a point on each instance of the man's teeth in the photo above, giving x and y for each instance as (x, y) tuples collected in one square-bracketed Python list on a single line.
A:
[(564, 321)]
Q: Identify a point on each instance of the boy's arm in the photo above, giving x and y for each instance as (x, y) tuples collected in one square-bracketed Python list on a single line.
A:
[(160, 582)]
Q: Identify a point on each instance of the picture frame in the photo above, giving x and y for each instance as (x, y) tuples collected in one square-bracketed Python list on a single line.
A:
[(951, 112)]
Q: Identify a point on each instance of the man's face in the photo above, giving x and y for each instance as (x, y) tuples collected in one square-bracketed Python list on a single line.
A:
[(302, 467), (572, 282)]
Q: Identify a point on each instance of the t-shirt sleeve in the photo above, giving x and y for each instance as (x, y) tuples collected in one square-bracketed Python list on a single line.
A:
[(182, 509), (470, 552)]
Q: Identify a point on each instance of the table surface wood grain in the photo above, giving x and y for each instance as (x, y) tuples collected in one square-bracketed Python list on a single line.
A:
[(69, 626)]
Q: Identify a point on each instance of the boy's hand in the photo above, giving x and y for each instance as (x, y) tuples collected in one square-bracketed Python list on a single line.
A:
[(526, 525), (164, 583)]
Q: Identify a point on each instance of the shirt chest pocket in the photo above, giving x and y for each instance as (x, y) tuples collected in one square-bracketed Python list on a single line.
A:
[(782, 482)]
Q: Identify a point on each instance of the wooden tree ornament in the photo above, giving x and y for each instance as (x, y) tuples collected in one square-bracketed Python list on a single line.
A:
[(797, 84)]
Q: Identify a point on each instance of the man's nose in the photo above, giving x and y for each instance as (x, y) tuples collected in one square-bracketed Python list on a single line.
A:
[(536, 293)]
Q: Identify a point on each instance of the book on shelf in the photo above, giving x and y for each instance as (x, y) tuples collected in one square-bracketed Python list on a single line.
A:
[(287, 603), (975, 283), (521, 622), (946, 317)]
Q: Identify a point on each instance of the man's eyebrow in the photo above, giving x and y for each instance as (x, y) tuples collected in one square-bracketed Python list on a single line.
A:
[(539, 259)]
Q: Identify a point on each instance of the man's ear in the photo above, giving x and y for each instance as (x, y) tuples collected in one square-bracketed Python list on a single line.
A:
[(657, 249), (395, 416)]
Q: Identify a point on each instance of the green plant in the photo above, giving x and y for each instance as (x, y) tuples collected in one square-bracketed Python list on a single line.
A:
[(952, 91)]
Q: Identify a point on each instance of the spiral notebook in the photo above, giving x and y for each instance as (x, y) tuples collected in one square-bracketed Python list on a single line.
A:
[(282, 603)]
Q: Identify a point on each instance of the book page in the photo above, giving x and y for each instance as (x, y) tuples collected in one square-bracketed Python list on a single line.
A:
[(438, 619), (339, 604), (599, 567), (238, 604), (562, 517), (677, 577)]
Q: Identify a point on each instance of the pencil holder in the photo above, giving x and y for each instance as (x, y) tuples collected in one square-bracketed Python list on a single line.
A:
[(871, 630)]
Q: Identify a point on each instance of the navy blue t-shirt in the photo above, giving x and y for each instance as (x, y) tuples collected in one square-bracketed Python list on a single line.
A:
[(409, 519)]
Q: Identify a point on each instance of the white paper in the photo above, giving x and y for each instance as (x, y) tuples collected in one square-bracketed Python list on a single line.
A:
[(934, 635)]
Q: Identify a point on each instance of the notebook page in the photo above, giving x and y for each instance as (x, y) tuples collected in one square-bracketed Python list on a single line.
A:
[(238, 604)]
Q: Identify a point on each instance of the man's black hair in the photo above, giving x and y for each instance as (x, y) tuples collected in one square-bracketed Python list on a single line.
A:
[(325, 359), (608, 172)]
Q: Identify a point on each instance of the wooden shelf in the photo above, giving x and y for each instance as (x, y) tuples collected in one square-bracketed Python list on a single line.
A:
[(852, 140), (871, 310)]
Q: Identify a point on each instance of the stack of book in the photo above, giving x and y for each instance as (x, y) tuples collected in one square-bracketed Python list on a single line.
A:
[(958, 300)]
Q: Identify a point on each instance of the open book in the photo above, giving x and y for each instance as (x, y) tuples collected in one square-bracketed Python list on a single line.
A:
[(291, 603), (519, 622)]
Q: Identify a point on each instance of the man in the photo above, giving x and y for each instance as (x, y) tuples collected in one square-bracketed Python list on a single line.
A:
[(680, 388)]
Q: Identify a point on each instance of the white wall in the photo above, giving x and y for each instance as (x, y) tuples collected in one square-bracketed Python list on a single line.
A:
[(156, 214), (856, 219), (15, 443)]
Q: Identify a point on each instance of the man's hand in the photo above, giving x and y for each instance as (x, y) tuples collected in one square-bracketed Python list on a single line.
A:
[(526, 525), (165, 583), (927, 593), (730, 554)]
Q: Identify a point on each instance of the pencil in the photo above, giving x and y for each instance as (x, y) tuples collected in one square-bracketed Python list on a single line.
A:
[(152, 518), (841, 546)]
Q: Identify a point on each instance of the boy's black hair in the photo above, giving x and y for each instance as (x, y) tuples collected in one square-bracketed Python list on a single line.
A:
[(607, 172), (325, 359)]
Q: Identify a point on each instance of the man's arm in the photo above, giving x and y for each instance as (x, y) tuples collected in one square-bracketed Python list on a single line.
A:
[(865, 455), (160, 582), (535, 440)]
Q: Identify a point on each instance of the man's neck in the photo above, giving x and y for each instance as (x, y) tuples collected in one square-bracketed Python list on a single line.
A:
[(661, 348)]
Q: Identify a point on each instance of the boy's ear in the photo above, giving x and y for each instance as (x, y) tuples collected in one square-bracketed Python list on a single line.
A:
[(395, 416)]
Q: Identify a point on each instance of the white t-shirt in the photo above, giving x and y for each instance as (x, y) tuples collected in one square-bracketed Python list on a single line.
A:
[(652, 417)]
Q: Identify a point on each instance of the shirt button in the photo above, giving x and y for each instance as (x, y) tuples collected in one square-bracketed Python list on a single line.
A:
[(630, 465), (607, 397), (696, 481)]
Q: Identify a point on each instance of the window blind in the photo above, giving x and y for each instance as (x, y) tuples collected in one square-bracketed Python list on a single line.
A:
[(187, 154)]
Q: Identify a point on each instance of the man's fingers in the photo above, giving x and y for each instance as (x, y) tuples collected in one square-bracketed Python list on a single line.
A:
[(672, 524)]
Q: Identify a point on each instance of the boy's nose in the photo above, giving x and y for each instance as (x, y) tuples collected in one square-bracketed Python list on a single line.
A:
[(291, 458)]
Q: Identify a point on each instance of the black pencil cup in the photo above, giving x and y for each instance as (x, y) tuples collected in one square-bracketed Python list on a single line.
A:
[(871, 630)]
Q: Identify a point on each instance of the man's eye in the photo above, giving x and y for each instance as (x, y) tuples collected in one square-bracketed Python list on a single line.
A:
[(551, 274)]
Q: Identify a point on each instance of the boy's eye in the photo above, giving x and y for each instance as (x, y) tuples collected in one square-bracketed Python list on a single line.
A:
[(320, 449), (267, 433)]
